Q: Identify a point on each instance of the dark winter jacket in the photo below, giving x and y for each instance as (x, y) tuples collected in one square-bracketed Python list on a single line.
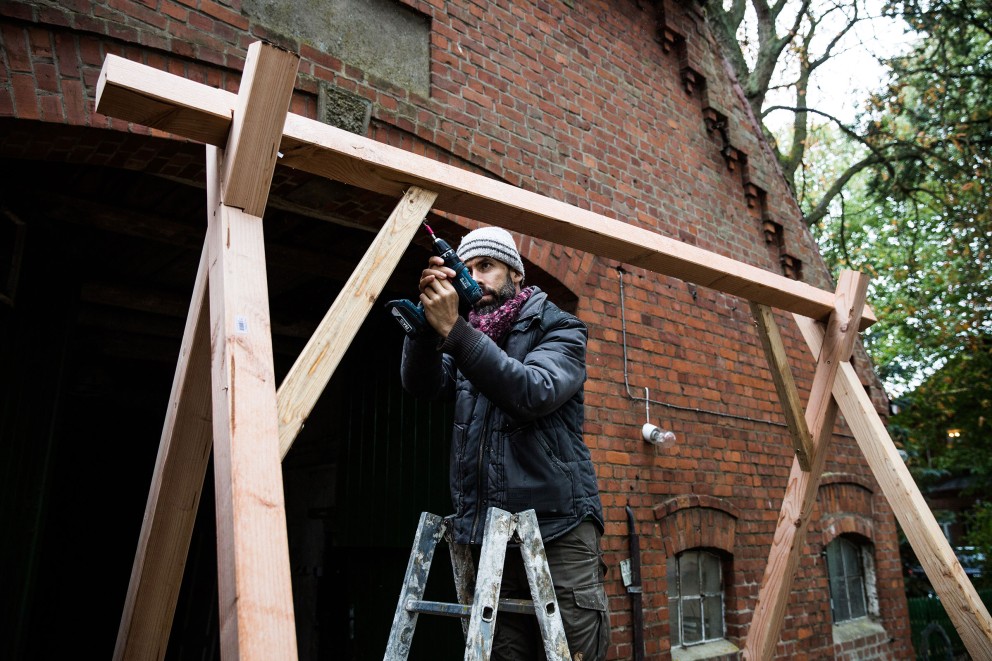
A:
[(517, 440)]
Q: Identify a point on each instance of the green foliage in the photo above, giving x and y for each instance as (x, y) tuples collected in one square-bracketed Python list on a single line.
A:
[(980, 536), (945, 428), (945, 423), (934, 190), (918, 219), (918, 216)]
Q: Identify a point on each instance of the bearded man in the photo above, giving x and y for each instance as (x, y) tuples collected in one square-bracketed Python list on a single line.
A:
[(515, 370)]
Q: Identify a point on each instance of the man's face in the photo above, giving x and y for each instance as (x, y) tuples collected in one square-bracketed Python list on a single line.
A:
[(499, 282)]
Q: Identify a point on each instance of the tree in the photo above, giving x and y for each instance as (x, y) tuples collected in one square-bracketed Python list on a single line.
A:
[(945, 427), (934, 233), (777, 50), (922, 217), (903, 193)]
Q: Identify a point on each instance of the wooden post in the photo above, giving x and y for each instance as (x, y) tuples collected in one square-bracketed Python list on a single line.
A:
[(177, 482), (254, 579)]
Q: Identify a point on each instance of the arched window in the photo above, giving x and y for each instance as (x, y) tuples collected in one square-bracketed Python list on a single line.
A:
[(695, 598), (846, 563)]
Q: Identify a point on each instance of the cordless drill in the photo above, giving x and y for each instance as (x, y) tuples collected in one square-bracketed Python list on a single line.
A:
[(411, 317)]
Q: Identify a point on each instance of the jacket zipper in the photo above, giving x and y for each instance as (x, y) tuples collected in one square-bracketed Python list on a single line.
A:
[(482, 487)]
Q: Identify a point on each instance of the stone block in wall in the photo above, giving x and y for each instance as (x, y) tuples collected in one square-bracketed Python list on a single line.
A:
[(343, 109)]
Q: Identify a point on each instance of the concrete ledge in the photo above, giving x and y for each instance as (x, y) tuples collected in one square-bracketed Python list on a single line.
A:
[(717, 649), (856, 629)]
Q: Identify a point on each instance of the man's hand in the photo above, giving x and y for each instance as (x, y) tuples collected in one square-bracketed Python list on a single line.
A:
[(439, 297)]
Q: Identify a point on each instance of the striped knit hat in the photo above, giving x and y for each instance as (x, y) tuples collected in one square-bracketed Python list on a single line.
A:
[(491, 242)]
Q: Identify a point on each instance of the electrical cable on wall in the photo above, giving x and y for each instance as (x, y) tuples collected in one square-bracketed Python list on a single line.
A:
[(647, 400)]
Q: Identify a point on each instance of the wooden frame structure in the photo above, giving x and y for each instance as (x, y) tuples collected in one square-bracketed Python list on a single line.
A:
[(225, 378)]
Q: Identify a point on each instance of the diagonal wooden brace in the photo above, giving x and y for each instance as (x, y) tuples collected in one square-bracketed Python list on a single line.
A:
[(174, 496), (311, 372), (778, 364), (800, 493)]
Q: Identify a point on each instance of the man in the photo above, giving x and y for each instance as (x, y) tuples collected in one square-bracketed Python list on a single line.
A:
[(516, 369)]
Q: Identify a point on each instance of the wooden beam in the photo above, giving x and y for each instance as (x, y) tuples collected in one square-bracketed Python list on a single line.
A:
[(960, 599), (256, 613), (801, 490), (785, 385), (174, 496), (260, 113), (254, 584), (254, 580), (310, 374), (144, 95)]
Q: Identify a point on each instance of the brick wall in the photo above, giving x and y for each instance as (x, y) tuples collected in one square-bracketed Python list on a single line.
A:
[(616, 106)]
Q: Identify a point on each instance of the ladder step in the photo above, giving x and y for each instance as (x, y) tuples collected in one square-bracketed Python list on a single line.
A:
[(478, 591), (522, 606)]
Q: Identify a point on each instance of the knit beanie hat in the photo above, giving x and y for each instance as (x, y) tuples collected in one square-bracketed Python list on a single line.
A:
[(492, 242)]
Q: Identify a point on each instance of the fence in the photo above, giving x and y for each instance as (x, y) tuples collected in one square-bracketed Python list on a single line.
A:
[(934, 637)]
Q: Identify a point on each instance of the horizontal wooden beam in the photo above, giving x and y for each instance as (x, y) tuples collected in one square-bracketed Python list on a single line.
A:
[(144, 95)]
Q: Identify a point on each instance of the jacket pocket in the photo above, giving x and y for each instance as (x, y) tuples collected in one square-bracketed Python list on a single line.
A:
[(534, 478)]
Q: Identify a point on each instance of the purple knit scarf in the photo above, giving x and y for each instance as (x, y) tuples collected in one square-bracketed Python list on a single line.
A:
[(496, 323)]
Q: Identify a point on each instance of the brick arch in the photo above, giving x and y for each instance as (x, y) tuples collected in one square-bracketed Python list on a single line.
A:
[(845, 502), (842, 493), (847, 478), (695, 521), (569, 267), (848, 524)]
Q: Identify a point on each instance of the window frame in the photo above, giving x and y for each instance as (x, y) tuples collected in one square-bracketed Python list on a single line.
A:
[(859, 572), (704, 559)]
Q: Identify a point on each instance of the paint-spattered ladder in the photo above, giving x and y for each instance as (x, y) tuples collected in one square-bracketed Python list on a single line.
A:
[(479, 605)]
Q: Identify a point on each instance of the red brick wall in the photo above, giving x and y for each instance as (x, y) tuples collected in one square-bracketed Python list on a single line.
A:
[(617, 106)]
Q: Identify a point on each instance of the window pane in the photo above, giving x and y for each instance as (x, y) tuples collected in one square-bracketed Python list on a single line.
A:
[(692, 621), (845, 568), (838, 596), (856, 593), (689, 573), (711, 573), (696, 613), (713, 617), (833, 557), (673, 578), (851, 564)]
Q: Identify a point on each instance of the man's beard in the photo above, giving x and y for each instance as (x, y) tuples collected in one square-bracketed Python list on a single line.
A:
[(505, 293)]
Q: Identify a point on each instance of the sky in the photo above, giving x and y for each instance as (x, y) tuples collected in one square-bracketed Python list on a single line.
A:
[(847, 79), (841, 85)]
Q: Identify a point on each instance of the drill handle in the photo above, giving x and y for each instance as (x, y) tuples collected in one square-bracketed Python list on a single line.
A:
[(410, 317)]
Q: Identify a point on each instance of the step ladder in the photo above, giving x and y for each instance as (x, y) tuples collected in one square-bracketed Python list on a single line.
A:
[(479, 603)]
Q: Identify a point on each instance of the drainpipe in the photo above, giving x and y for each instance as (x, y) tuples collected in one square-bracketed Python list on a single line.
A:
[(634, 589)]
